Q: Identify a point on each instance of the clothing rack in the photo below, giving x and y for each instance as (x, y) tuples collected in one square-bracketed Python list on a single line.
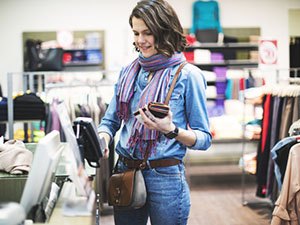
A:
[(28, 83), (282, 76)]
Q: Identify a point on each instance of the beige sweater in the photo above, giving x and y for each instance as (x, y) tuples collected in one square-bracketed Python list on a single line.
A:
[(287, 206), (14, 157)]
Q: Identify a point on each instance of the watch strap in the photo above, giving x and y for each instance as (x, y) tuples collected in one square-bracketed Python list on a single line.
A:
[(172, 134)]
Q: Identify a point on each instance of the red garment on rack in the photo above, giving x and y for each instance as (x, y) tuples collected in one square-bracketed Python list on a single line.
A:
[(242, 84), (265, 123)]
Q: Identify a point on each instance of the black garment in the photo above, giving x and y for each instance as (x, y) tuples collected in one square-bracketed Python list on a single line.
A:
[(295, 56), (282, 157), (3, 109), (207, 35), (3, 113), (29, 107), (274, 138)]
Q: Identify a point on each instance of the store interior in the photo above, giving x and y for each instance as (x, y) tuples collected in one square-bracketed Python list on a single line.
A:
[(250, 59)]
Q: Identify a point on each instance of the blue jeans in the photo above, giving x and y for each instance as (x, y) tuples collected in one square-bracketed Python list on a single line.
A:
[(168, 198)]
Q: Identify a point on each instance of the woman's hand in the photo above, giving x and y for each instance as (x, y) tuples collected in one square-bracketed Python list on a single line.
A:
[(107, 140), (164, 125)]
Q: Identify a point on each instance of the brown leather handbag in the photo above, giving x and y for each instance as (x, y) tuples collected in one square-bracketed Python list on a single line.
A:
[(127, 190)]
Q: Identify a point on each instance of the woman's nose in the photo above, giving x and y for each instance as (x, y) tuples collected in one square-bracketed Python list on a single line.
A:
[(141, 38)]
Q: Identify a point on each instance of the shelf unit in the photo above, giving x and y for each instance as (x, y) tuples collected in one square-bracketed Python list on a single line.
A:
[(225, 153), (228, 50), (84, 57), (229, 61)]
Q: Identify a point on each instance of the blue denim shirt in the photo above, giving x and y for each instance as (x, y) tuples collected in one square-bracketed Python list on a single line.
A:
[(188, 105), (274, 154)]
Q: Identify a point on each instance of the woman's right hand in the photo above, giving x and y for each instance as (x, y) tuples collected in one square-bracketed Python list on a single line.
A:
[(106, 138)]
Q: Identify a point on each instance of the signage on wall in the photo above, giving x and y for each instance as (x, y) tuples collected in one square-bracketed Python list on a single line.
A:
[(268, 52)]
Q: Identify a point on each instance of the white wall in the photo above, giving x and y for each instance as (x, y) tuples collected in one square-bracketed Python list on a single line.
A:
[(17, 16), (294, 22)]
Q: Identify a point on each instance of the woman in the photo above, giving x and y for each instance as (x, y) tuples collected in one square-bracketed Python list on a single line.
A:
[(158, 36)]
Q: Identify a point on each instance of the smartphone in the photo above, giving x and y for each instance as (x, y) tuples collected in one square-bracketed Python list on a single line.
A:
[(136, 113), (138, 116)]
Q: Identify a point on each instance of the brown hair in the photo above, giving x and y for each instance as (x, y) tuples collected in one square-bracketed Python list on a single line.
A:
[(163, 22)]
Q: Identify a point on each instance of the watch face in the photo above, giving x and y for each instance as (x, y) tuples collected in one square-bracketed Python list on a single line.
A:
[(172, 134)]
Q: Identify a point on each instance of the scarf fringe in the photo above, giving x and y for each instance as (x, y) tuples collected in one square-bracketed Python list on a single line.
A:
[(145, 145)]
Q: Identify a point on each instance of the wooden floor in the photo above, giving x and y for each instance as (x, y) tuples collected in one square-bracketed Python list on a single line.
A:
[(217, 200)]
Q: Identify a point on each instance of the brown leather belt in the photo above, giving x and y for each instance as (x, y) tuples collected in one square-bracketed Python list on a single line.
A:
[(132, 164)]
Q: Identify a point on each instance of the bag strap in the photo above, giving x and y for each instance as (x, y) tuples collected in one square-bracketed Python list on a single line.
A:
[(144, 163), (174, 82)]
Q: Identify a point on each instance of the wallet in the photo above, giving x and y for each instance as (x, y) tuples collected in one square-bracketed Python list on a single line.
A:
[(158, 109)]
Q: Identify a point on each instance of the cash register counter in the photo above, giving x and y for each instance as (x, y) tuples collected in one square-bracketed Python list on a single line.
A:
[(57, 217), (11, 189)]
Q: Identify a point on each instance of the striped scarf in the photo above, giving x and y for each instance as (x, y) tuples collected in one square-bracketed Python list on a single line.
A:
[(156, 90)]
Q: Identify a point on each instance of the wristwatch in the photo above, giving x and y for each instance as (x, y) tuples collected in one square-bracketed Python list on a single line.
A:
[(172, 134)]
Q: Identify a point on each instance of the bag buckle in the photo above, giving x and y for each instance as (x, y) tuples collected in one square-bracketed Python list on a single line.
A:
[(117, 195)]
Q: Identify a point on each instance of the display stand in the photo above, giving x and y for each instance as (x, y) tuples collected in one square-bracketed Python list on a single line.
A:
[(28, 83)]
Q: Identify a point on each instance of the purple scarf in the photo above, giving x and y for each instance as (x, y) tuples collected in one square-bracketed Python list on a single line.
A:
[(156, 90)]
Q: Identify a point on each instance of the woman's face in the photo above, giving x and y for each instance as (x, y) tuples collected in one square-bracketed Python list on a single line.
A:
[(143, 38)]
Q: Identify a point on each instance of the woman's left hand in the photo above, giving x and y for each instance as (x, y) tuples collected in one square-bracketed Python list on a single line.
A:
[(164, 125)]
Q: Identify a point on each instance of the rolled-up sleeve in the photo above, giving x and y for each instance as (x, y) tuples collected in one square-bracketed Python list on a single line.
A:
[(110, 123), (196, 109)]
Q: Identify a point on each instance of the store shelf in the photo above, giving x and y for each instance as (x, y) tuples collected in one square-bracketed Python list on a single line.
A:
[(88, 56), (228, 63), (229, 51), (216, 46), (80, 64)]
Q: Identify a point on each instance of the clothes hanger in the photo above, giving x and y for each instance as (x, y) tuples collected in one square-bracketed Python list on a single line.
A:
[(298, 136), (295, 129)]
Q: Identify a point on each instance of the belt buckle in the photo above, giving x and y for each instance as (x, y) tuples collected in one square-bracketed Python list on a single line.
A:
[(142, 165)]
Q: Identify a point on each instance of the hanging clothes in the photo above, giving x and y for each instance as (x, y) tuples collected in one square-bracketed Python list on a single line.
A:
[(278, 115), (3, 112), (280, 154)]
